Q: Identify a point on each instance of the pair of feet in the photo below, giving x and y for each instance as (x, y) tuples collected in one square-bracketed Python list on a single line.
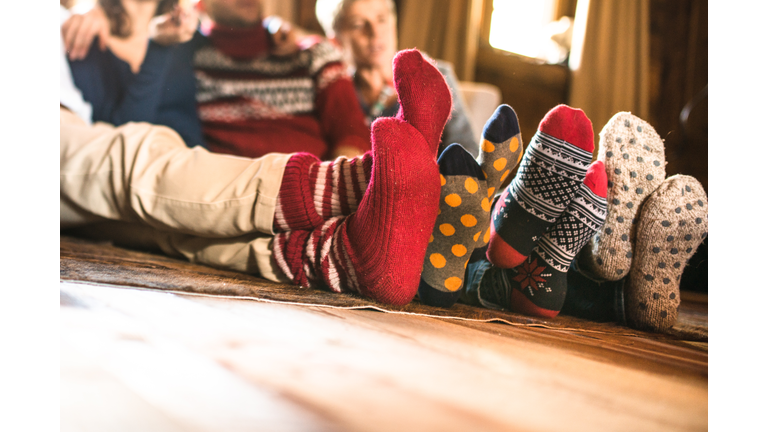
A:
[(551, 209), (653, 227), (362, 225)]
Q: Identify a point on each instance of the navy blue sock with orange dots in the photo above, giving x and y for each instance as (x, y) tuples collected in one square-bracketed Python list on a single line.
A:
[(464, 215), (501, 148)]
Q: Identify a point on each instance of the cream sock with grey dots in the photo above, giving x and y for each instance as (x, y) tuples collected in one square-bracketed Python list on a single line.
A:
[(633, 154), (673, 222)]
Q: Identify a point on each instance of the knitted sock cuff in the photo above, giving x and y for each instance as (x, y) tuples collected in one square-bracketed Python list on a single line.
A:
[(295, 200)]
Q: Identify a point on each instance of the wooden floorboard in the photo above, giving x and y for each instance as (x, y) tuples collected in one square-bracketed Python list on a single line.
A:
[(177, 357)]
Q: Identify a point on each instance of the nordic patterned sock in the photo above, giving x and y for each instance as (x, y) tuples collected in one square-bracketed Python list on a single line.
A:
[(673, 222), (378, 251), (546, 270), (313, 192), (633, 154), (500, 151), (465, 213), (540, 283), (552, 169)]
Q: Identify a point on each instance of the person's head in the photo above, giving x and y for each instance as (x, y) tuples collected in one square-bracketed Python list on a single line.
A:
[(233, 13), (120, 22), (366, 29)]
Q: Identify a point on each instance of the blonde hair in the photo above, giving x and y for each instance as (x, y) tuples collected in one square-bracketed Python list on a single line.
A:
[(330, 13)]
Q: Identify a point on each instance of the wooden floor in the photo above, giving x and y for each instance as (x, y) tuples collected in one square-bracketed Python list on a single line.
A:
[(138, 359)]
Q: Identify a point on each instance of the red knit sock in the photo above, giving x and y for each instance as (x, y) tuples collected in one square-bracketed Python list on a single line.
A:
[(378, 251), (313, 192), (413, 94)]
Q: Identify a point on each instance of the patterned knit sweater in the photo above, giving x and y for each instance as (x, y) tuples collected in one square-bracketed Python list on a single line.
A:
[(252, 103)]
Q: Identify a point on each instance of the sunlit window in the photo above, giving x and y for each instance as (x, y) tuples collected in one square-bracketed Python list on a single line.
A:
[(526, 27)]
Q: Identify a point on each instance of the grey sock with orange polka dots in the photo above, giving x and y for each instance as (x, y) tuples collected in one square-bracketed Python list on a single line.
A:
[(633, 154), (501, 148), (465, 212), (672, 224)]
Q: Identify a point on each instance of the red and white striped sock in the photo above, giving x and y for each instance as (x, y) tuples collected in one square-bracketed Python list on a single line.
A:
[(313, 191), (378, 251)]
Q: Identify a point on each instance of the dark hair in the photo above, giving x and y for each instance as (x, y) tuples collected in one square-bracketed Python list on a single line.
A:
[(120, 23)]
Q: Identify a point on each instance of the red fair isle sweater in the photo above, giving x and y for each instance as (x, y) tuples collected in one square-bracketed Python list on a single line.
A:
[(252, 103)]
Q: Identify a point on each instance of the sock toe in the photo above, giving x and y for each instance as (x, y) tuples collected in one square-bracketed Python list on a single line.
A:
[(425, 99), (455, 160), (570, 125), (502, 125), (596, 179)]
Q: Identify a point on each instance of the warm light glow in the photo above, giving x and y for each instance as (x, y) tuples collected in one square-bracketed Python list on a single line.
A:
[(518, 26)]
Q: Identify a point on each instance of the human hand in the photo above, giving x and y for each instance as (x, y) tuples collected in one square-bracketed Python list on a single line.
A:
[(78, 32), (283, 36), (175, 27)]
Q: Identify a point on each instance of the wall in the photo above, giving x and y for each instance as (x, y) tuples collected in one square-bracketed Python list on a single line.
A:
[(678, 74)]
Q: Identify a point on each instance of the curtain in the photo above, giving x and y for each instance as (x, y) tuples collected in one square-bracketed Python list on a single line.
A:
[(446, 30), (610, 59)]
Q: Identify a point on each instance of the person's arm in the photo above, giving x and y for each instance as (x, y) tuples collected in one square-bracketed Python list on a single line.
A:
[(458, 129), (341, 118), (70, 96), (142, 92), (145, 91)]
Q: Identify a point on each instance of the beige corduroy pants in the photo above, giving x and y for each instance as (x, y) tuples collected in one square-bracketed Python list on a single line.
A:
[(146, 185)]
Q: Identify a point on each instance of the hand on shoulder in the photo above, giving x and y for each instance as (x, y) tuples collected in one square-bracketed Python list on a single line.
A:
[(79, 31), (175, 27)]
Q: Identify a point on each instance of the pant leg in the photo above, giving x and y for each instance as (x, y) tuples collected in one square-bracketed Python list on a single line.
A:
[(250, 253), (145, 174)]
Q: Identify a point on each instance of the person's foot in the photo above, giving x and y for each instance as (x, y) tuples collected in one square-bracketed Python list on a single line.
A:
[(538, 286), (501, 147), (464, 215), (378, 251), (540, 283), (552, 170), (463, 224), (672, 224), (633, 154), (424, 103)]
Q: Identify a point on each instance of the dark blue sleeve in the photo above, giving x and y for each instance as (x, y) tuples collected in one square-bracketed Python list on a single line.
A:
[(143, 92), (118, 95), (178, 109)]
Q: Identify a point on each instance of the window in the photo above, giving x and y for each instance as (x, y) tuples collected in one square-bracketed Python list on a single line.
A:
[(526, 27)]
